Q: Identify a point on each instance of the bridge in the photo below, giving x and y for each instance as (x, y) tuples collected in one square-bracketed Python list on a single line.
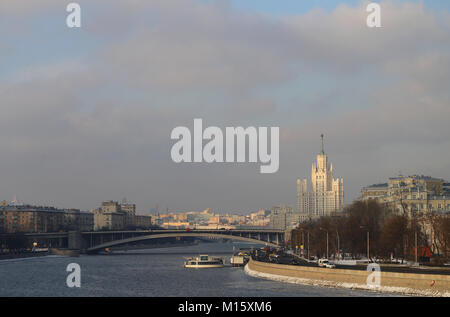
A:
[(95, 241)]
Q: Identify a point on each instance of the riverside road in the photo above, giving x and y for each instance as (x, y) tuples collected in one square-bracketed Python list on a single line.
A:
[(288, 259)]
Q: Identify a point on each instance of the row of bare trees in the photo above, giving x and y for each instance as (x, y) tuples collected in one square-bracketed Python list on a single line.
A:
[(389, 234), (440, 239)]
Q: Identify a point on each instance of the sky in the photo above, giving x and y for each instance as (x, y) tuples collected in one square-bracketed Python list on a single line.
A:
[(86, 114), (295, 7)]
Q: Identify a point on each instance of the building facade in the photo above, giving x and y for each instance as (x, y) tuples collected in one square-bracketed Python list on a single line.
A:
[(284, 217), (19, 218), (417, 196), (77, 220), (128, 208), (108, 220), (413, 195), (326, 195), (114, 216), (37, 219)]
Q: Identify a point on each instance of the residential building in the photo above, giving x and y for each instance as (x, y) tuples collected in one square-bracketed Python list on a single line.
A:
[(114, 216), (76, 220), (415, 196), (283, 217), (128, 208), (412, 195), (107, 220), (110, 206), (33, 219), (326, 195), (142, 222)]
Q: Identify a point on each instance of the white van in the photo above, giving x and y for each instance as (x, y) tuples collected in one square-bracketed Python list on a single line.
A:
[(322, 262)]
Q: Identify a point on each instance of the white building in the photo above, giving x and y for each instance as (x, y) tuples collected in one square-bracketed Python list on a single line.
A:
[(326, 196)]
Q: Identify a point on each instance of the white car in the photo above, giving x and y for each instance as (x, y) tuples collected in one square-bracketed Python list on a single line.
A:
[(330, 265)]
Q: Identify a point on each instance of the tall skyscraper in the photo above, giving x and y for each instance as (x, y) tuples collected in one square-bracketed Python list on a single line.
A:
[(326, 196)]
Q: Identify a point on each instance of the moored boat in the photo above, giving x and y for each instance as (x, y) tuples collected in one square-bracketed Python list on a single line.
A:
[(203, 261)]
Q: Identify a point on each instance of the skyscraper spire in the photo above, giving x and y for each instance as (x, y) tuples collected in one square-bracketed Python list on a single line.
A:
[(323, 152)]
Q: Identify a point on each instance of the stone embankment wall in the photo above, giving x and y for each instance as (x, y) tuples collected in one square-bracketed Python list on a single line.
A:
[(405, 283)]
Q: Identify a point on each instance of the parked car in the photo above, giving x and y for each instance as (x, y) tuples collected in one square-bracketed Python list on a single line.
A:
[(330, 265), (274, 258)]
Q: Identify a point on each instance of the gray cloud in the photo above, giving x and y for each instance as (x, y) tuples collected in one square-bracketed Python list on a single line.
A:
[(93, 127)]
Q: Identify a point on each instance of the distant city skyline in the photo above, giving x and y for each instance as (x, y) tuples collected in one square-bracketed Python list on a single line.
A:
[(87, 113)]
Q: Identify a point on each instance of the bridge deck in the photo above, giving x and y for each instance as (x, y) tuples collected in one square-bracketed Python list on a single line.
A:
[(160, 234)]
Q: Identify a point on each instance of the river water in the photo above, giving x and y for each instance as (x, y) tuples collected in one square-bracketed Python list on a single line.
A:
[(154, 272)]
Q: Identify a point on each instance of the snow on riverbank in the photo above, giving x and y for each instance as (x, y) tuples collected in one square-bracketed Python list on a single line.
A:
[(322, 283)]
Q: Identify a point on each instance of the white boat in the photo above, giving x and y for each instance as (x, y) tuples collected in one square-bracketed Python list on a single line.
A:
[(203, 261)]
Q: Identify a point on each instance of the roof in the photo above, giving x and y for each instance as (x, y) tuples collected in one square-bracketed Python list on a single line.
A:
[(25, 208), (377, 186), (422, 177)]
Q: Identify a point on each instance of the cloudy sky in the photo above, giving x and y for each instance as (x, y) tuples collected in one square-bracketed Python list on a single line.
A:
[(86, 114)]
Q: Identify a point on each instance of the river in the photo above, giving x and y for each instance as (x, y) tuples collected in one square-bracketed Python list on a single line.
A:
[(154, 272)]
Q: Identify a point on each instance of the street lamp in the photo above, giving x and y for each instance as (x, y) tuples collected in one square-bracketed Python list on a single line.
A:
[(327, 238), (338, 248), (368, 243), (303, 242), (416, 247), (307, 232)]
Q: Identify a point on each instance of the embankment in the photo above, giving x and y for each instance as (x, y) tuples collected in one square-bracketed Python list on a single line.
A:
[(404, 283), (65, 252), (10, 256)]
